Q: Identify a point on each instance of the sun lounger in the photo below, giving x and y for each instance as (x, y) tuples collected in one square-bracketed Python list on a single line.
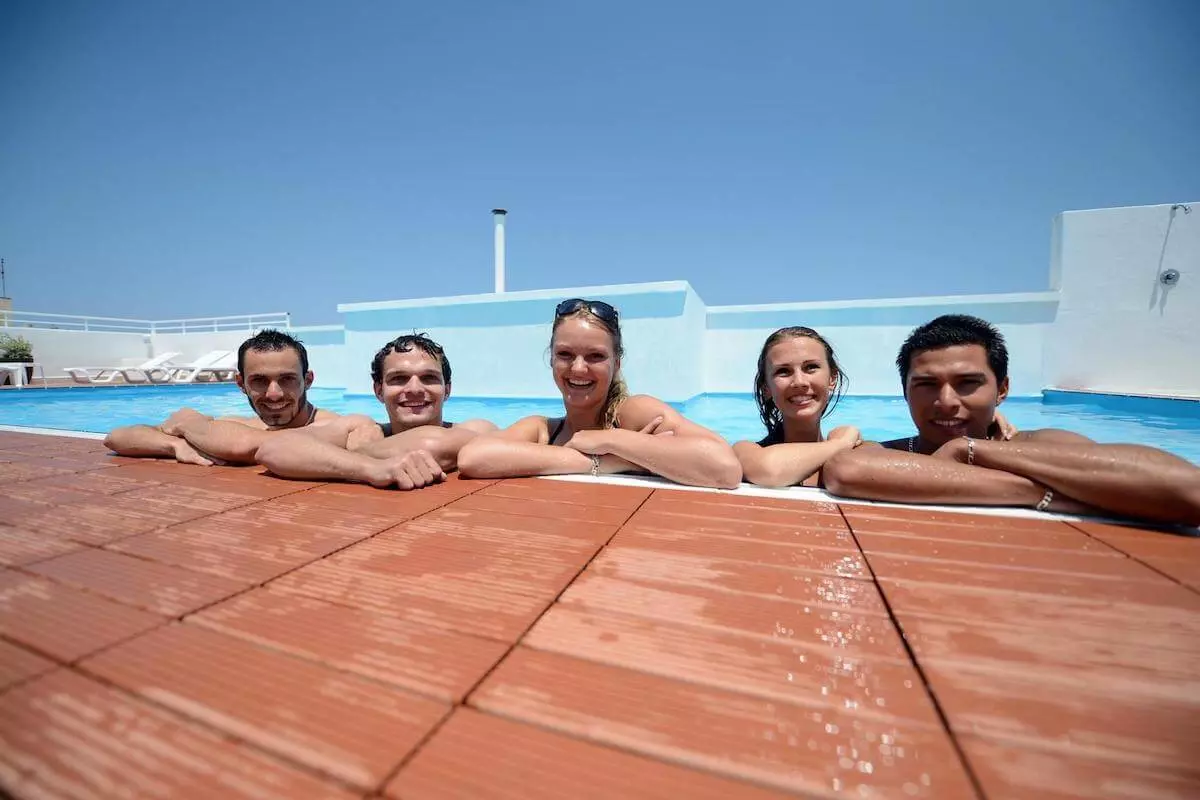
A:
[(212, 364), (155, 370)]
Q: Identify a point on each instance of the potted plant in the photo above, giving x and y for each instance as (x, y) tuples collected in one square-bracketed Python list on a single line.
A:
[(17, 349)]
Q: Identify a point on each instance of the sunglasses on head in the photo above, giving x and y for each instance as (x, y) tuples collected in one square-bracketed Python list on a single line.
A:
[(599, 308)]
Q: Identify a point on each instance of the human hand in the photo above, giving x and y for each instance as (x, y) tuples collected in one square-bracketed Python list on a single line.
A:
[(953, 450), (364, 434), (1007, 429), (592, 443), (186, 454), (846, 435), (177, 422), (413, 470)]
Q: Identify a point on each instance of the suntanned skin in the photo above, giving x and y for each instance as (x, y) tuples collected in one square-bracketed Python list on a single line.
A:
[(277, 391), (952, 394), (415, 450), (800, 381), (651, 437)]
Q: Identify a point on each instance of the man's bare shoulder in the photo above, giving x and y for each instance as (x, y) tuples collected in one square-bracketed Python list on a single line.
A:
[(1050, 435), (325, 415), (477, 425), (249, 422)]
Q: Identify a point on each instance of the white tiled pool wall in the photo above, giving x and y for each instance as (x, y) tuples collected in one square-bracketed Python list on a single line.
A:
[(1105, 323)]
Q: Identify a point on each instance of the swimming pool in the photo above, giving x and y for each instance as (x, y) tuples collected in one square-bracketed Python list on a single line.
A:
[(1173, 427)]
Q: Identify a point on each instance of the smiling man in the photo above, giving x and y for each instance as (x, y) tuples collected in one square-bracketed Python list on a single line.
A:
[(415, 447), (273, 373), (954, 372)]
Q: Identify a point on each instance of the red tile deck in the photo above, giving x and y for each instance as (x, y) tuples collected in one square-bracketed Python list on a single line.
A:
[(177, 631)]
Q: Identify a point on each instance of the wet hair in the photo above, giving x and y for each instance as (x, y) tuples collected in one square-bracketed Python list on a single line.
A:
[(272, 341), (406, 344), (951, 330), (608, 319), (767, 410)]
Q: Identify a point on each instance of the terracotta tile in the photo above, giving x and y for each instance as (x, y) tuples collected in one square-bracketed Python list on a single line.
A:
[(712, 507), (1054, 537), (1051, 653), (1186, 572), (795, 533), (1012, 773), (155, 587), (429, 661), (249, 485), (447, 530), (1161, 627), (810, 750), (392, 503), (665, 497), (487, 523), (339, 724), (1095, 719), (14, 510), (286, 512), (586, 494), (42, 493), (476, 755), (64, 623), (73, 737), (999, 556), (179, 503), (738, 577), (795, 669), (771, 619), (855, 512), (18, 546), (543, 508), (249, 545), (1113, 533), (829, 561), (473, 591), (18, 664), (1051, 584), (93, 523)]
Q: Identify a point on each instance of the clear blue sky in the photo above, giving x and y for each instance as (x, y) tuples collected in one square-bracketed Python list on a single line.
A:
[(165, 159)]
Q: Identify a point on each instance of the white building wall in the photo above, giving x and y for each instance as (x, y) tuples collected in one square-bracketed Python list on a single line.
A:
[(1118, 329), (58, 349)]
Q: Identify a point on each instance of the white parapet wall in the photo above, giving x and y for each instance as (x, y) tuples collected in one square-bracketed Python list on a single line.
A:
[(56, 350), (1119, 328)]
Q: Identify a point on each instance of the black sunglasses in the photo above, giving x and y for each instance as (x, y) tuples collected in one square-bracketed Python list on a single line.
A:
[(599, 308)]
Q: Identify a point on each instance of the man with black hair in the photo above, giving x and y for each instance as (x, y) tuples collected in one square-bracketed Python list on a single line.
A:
[(415, 448), (954, 373), (273, 373)]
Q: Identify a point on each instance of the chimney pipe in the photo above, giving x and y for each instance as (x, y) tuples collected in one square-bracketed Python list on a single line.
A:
[(498, 215)]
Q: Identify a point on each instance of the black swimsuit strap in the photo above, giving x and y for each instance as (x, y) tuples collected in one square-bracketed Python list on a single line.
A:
[(562, 423)]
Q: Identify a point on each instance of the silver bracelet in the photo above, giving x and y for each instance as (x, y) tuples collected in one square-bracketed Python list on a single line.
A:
[(595, 465), (1046, 498), (970, 450)]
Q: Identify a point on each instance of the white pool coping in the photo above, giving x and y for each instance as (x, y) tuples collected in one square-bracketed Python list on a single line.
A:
[(800, 494)]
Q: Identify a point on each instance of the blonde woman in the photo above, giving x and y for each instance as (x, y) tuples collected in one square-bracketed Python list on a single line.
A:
[(604, 430)]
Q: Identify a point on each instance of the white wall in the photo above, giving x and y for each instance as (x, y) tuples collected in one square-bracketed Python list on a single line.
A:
[(57, 349), (1117, 329)]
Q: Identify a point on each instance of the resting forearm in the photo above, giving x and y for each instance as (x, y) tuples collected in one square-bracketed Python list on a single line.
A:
[(291, 454), (690, 460), (228, 441), (1122, 479), (141, 440), (443, 444), (487, 457), (788, 464), (878, 474)]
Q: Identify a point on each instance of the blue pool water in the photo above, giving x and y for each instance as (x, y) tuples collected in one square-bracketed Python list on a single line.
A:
[(1171, 426)]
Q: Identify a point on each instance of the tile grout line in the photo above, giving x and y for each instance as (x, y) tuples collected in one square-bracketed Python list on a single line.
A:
[(471, 689), (937, 706), (1133, 557)]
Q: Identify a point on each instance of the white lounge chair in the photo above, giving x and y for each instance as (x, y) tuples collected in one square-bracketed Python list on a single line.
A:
[(156, 370), (212, 363)]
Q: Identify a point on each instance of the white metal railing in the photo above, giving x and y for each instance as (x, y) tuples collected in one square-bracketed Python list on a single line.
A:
[(76, 322)]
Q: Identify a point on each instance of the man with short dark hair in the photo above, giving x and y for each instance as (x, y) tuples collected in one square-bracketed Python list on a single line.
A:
[(273, 373), (954, 373), (415, 448)]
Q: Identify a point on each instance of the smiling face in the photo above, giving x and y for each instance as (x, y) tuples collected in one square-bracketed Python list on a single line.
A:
[(412, 389), (952, 392), (799, 379), (275, 384), (583, 362)]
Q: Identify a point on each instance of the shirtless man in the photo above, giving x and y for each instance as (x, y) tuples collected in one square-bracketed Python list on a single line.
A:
[(954, 371), (274, 375), (415, 448)]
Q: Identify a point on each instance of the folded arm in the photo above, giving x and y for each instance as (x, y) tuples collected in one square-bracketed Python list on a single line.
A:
[(150, 441), (523, 449), (1123, 479), (784, 464), (677, 449)]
